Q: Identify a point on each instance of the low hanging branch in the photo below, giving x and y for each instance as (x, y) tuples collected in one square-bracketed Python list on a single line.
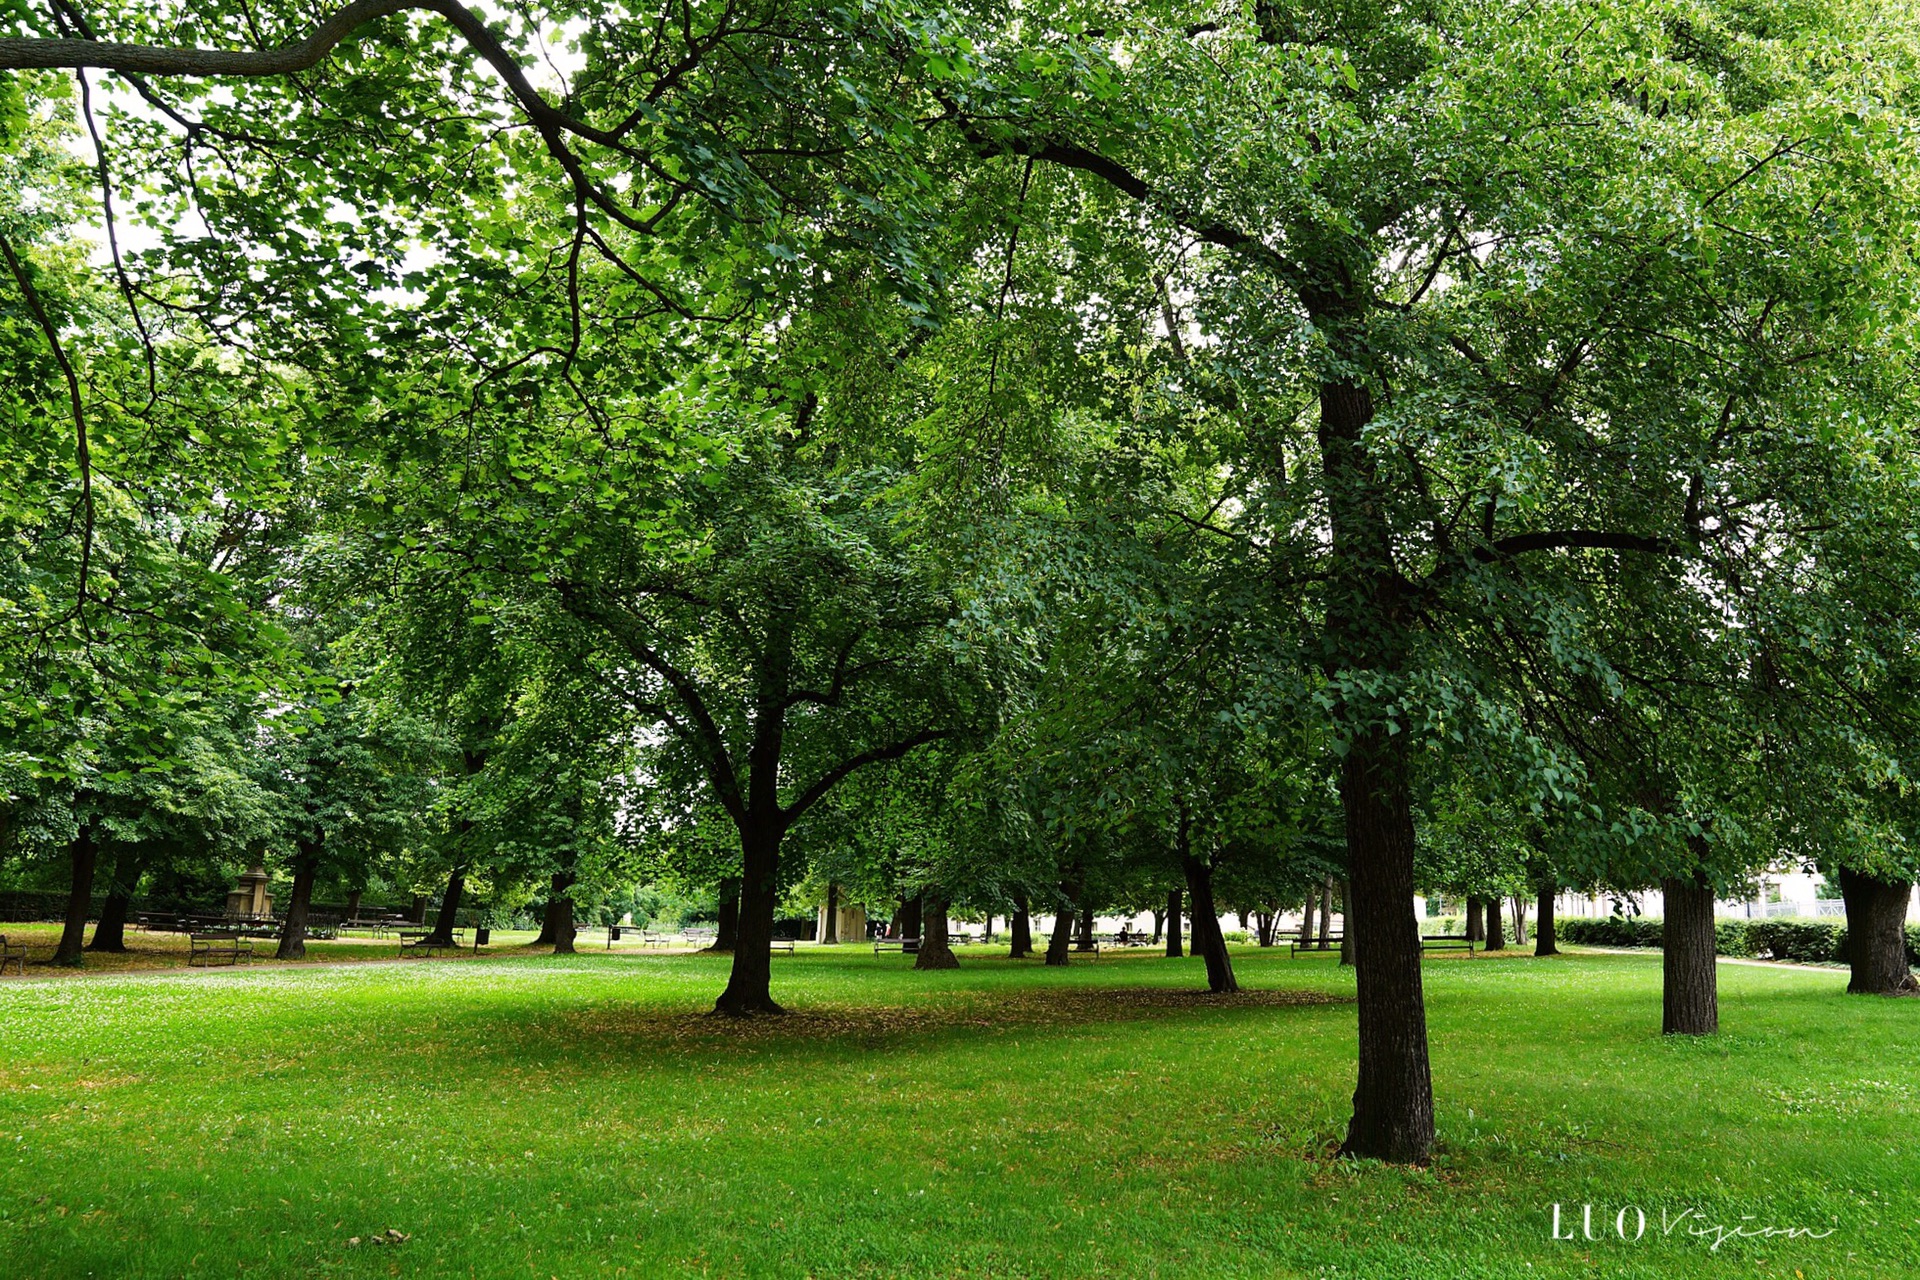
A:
[(302, 55), (83, 454)]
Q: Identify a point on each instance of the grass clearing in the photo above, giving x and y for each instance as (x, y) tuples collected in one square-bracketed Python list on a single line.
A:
[(580, 1116)]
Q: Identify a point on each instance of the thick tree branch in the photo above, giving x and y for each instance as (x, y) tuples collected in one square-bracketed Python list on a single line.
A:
[(83, 454), (1586, 539), (840, 772)]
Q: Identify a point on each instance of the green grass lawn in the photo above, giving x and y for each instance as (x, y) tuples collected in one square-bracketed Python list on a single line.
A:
[(578, 1117)]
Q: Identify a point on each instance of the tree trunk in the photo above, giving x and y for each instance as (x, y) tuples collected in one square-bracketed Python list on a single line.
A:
[(936, 948), (1326, 913), (1306, 918), (831, 934), (1208, 941), (1263, 927), (85, 855), (1346, 926), (1519, 921), (750, 984), (1876, 935), (1021, 929), (419, 912), (1159, 926), (442, 934), (1393, 1099), (1175, 905), (1496, 928), (110, 933), (560, 911), (1084, 942), (550, 914), (1543, 940), (1063, 921), (913, 916), (1476, 923), (353, 904), (1690, 997), (726, 931), (293, 930)]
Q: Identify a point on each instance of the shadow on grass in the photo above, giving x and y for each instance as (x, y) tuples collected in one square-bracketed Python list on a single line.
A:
[(823, 1027)]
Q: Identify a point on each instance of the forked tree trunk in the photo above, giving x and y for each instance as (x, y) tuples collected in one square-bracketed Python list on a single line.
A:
[(1476, 922), (1877, 935), (1208, 942), (1543, 940), (1084, 940), (110, 932), (1175, 905), (293, 930), (1263, 927), (1519, 921), (84, 855), (1496, 928), (726, 924), (831, 934), (936, 948), (443, 925), (750, 983), (1393, 1098), (1020, 929), (1690, 1003)]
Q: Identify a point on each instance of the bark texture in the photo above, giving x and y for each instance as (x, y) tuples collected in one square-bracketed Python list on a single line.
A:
[(936, 947), (1393, 1097), (443, 924), (1208, 942), (1877, 935), (84, 856), (1543, 940), (1496, 928), (1175, 905), (293, 929), (1476, 921), (749, 990), (110, 931), (1690, 1004), (1020, 930)]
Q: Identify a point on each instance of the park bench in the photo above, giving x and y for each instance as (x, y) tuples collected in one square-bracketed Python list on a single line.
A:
[(12, 953), (209, 949), (781, 944), (1330, 943), (906, 946), (1445, 942), (421, 942)]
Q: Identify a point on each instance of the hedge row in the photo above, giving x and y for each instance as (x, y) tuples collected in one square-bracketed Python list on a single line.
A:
[(1807, 941)]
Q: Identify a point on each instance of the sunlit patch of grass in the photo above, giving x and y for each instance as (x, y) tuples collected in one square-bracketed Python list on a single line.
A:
[(584, 1116)]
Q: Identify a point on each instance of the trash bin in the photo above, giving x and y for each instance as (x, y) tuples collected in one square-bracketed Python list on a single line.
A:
[(482, 935)]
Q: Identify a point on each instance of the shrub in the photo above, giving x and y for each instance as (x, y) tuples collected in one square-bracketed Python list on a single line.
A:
[(1805, 941), (1448, 926), (1609, 931), (1733, 937)]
